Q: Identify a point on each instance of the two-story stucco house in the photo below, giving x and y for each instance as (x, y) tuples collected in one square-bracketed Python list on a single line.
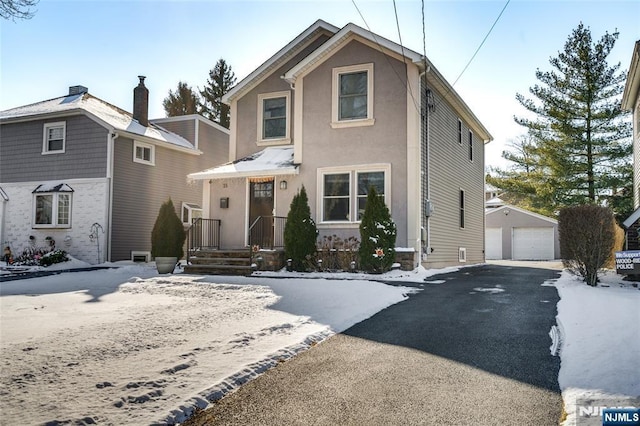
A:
[(91, 176), (339, 110)]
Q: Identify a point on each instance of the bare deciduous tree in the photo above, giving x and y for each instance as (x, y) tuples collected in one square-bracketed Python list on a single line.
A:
[(17, 9)]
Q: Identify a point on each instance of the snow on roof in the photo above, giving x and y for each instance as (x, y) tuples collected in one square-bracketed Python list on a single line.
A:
[(111, 115), (53, 187), (495, 201), (270, 161)]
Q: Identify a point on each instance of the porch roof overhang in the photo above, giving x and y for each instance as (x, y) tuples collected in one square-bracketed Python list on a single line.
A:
[(271, 161)]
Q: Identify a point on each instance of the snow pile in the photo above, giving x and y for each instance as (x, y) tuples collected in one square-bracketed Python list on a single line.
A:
[(127, 346), (600, 349)]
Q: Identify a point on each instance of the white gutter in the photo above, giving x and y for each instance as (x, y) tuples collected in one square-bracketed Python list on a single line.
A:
[(110, 164)]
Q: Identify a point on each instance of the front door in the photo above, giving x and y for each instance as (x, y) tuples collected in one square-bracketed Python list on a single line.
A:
[(261, 206)]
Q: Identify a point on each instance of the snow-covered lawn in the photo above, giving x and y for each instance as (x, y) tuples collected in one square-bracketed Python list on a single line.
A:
[(127, 346), (600, 349)]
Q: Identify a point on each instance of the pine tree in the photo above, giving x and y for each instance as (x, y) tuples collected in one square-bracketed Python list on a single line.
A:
[(168, 235), (377, 234), (221, 80), (580, 138), (300, 232), (183, 102)]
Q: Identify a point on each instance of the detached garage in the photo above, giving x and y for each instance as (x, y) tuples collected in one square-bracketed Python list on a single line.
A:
[(518, 234)]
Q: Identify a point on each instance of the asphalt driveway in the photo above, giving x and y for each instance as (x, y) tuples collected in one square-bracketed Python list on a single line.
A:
[(472, 348)]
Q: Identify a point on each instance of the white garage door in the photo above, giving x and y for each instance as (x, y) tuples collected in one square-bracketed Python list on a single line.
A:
[(493, 243), (533, 243)]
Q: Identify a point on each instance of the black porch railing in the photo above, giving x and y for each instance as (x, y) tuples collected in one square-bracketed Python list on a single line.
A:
[(267, 232), (203, 234)]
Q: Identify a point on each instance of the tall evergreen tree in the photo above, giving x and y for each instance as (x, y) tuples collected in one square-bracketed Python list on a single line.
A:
[(221, 80), (300, 233), (580, 141), (183, 101)]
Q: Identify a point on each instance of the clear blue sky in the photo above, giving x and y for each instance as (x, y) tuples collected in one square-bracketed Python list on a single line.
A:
[(104, 45)]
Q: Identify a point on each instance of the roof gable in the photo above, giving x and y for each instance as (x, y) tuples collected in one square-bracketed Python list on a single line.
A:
[(319, 27), (340, 39), (518, 209)]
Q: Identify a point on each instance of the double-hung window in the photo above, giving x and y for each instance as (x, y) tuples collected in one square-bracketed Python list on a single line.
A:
[(352, 96), (52, 206), (273, 118), (462, 207), (144, 153), (54, 138), (343, 191), (470, 146)]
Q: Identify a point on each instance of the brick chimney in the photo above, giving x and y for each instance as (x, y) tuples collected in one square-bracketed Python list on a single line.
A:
[(77, 90), (141, 102)]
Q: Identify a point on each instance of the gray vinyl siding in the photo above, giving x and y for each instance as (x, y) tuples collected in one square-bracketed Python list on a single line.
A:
[(186, 128), (21, 157), (140, 189), (449, 171), (214, 143)]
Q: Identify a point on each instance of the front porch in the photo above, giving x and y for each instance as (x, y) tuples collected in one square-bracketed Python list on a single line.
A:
[(264, 249)]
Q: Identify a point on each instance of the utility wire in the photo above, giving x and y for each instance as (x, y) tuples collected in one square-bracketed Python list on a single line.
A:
[(482, 43), (382, 49), (404, 58)]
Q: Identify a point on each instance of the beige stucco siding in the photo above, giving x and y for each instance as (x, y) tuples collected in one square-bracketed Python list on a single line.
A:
[(247, 106), (383, 142), (450, 170)]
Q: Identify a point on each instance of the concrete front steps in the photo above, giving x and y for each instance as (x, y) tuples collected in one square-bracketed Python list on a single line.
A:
[(220, 262)]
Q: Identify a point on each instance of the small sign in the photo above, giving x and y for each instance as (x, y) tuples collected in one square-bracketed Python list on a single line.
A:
[(621, 417), (628, 262)]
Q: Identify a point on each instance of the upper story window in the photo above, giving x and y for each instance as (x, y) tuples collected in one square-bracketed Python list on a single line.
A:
[(352, 96), (144, 153), (273, 118), (470, 146), (54, 138), (460, 132), (52, 206), (343, 191)]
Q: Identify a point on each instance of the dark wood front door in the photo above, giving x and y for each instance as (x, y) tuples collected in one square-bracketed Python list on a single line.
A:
[(261, 205)]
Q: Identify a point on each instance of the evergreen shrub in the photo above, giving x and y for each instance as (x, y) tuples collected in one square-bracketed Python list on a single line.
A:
[(300, 233), (167, 236), (377, 235)]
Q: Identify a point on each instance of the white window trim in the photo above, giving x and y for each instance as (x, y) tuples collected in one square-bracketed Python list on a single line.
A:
[(470, 152), (353, 188), (274, 141), (459, 130), (190, 215), (146, 254), (336, 123), (45, 137), (54, 211), (152, 148)]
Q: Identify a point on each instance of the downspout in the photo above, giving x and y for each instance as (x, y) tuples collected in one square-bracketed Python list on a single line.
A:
[(110, 164), (428, 161)]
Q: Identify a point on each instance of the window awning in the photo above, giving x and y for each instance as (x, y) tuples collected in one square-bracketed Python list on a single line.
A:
[(52, 187), (271, 161)]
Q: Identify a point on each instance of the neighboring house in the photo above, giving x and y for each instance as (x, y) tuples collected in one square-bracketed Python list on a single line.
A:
[(519, 234), (340, 110), (631, 102), (92, 177)]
